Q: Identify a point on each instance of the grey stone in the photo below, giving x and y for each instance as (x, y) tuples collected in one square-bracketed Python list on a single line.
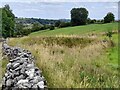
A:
[(22, 81), (19, 77), (35, 86), (18, 68), (22, 71), (16, 65), (30, 73), (22, 60), (3, 81), (21, 86), (28, 85), (40, 84), (9, 65), (16, 73), (36, 79), (30, 65), (9, 82), (12, 60), (6, 74)]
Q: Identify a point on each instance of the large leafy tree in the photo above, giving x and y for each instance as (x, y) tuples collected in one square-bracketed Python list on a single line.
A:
[(79, 16), (8, 22), (109, 18)]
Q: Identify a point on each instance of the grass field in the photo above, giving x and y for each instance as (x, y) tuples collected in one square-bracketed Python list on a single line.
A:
[(78, 30), (71, 61)]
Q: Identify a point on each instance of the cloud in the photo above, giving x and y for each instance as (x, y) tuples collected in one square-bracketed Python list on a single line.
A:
[(50, 3), (113, 7), (59, 1), (60, 10), (32, 10)]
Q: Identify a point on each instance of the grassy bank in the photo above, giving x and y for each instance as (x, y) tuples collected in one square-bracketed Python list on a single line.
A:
[(78, 30)]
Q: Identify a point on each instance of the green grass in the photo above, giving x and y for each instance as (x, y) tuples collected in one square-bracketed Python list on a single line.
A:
[(113, 53), (3, 64), (78, 30)]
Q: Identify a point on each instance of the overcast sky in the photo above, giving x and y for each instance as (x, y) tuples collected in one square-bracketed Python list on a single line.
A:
[(60, 10)]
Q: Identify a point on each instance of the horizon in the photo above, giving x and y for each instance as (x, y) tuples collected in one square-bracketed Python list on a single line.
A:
[(61, 10)]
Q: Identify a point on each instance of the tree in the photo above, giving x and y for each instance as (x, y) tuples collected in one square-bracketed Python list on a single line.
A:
[(79, 16), (0, 22), (8, 22), (18, 29), (93, 21), (88, 21), (64, 24), (109, 17), (52, 27), (57, 23), (36, 27)]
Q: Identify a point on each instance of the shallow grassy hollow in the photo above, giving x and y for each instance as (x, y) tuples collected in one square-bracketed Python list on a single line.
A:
[(78, 66)]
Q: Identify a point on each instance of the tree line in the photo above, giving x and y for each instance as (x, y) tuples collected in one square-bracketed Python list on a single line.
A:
[(79, 16)]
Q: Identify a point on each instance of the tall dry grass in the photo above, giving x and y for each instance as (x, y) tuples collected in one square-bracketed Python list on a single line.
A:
[(71, 67), (3, 63)]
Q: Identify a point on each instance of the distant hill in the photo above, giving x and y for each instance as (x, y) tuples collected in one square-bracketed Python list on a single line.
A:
[(25, 20), (41, 21), (65, 20)]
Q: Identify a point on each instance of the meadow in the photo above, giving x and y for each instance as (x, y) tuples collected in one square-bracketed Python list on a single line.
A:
[(78, 30), (75, 57)]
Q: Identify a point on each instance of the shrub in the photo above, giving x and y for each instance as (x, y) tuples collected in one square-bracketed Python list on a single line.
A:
[(109, 34), (93, 21), (52, 27), (25, 32), (57, 23), (36, 27), (63, 24), (43, 28)]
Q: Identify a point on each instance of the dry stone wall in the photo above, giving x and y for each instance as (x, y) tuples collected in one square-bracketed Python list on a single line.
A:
[(21, 71)]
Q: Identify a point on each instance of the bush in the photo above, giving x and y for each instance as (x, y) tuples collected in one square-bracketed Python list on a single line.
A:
[(52, 27), (43, 28), (63, 24), (93, 21), (36, 27), (88, 21), (26, 32), (109, 34), (57, 23)]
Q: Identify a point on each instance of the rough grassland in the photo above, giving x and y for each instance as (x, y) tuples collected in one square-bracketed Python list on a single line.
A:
[(86, 63)]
